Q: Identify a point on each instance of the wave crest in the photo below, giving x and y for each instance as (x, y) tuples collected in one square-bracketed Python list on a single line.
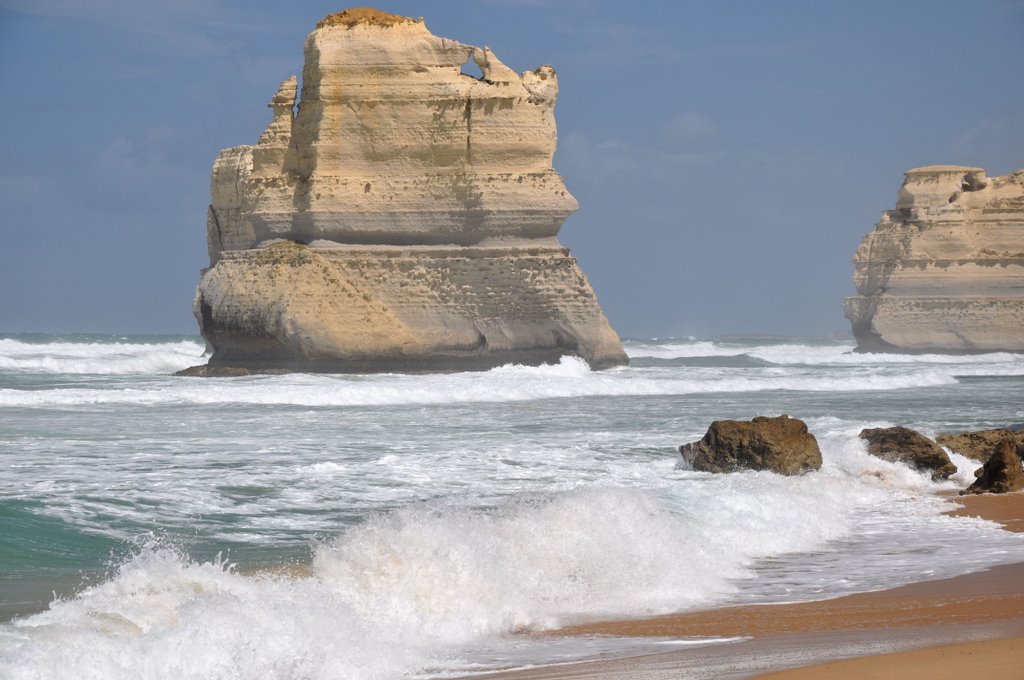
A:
[(98, 358)]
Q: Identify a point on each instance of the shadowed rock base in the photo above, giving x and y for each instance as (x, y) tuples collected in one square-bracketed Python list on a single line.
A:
[(372, 309)]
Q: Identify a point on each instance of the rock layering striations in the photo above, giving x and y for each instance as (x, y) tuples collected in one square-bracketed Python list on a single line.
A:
[(781, 445), (401, 215), (944, 271)]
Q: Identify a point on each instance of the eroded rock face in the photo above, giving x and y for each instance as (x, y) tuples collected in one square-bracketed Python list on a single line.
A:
[(781, 445), (944, 271), (979, 444), (903, 445), (1002, 472), (400, 216)]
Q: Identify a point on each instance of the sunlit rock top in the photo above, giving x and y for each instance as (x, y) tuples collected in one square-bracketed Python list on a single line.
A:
[(391, 143)]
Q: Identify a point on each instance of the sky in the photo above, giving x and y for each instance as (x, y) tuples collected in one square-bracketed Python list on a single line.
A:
[(728, 156)]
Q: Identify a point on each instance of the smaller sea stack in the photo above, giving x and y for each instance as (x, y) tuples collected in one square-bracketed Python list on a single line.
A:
[(944, 271)]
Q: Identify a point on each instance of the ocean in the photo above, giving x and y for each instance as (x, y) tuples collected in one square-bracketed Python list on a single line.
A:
[(385, 526)]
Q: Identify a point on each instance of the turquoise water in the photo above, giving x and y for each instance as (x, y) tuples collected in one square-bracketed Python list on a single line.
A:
[(322, 526)]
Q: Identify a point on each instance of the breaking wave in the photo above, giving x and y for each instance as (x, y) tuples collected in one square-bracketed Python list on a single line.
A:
[(569, 378), (412, 589), (98, 357)]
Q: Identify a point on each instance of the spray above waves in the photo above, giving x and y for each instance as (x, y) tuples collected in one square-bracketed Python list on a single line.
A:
[(433, 576), (97, 356), (386, 598)]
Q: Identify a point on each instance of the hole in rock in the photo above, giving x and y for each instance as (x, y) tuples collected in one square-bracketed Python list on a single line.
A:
[(471, 69), (972, 182)]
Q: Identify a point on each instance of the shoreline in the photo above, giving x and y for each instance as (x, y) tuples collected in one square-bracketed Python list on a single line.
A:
[(951, 624), (933, 624)]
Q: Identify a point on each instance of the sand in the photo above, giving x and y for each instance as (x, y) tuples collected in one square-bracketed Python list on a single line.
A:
[(1007, 509), (967, 626), (989, 659)]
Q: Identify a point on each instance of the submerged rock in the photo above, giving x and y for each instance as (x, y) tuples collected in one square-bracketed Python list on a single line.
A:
[(1002, 472), (903, 445), (782, 445), (979, 444), (944, 271), (402, 216)]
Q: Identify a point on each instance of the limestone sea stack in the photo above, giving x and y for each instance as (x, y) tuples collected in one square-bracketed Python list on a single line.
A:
[(944, 271), (398, 214)]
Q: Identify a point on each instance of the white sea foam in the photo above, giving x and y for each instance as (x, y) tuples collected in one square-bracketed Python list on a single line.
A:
[(451, 521), (98, 358), (413, 588), (435, 576), (797, 353), (965, 467), (672, 350), (792, 367), (569, 378), (121, 357)]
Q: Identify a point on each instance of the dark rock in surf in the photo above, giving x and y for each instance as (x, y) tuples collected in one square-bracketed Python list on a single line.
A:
[(903, 445), (208, 371), (1002, 473), (980, 444), (781, 445)]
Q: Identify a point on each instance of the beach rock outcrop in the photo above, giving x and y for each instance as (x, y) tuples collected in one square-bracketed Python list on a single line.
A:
[(944, 271), (1003, 472), (781, 445), (980, 444), (397, 214), (903, 445)]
